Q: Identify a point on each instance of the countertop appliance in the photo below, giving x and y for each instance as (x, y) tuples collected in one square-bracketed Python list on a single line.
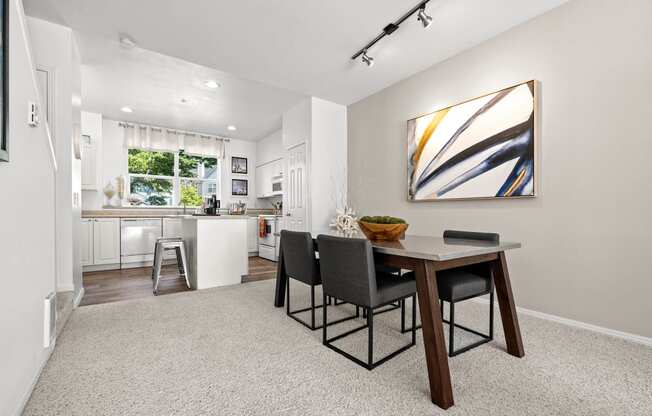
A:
[(212, 206), (268, 241)]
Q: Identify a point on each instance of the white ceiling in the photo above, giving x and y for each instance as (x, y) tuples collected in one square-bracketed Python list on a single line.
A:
[(298, 45), (153, 85)]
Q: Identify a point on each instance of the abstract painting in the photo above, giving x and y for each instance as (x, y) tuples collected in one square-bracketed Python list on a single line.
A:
[(481, 148)]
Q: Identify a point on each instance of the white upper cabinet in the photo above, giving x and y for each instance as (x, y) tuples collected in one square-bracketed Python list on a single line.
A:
[(260, 182), (266, 175), (91, 130)]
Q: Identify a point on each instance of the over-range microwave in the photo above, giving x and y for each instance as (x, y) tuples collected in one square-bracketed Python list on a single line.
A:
[(277, 186)]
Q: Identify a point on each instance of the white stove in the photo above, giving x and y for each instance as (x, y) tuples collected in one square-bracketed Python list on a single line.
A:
[(268, 240)]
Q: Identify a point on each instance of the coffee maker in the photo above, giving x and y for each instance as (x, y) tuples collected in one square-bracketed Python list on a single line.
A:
[(212, 206)]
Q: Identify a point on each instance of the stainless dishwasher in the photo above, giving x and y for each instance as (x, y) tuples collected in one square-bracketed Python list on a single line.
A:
[(137, 239)]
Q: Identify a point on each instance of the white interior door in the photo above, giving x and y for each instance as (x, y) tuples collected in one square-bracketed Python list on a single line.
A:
[(295, 216)]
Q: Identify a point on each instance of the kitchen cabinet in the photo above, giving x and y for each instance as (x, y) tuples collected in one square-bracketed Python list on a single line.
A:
[(260, 182), (265, 176), (252, 235), (91, 169), (106, 241), (89, 165), (87, 242)]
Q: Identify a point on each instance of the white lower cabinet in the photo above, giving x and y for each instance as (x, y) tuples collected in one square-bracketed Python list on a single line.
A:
[(100, 241), (87, 242), (106, 241)]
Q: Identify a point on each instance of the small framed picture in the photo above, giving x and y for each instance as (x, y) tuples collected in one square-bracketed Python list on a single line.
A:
[(239, 187), (239, 165)]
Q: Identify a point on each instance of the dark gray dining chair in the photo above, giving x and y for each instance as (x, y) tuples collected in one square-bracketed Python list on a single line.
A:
[(463, 283), (348, 273), (302, 265)]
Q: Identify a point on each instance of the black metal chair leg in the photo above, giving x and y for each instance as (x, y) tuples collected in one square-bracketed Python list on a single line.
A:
[(287, 296), (369, 313), (402, 315), (451, 334), (324, 320), (370, 324), (312, 306)]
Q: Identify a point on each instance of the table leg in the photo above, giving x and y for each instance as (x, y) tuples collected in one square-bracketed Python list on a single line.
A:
[(507, 306), (281, 280), (441, 391)]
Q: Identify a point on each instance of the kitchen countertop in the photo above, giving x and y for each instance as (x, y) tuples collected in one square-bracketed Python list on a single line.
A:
[(160, 213)]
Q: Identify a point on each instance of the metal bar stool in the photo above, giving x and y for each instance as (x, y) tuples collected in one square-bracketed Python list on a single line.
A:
[(164, 244)]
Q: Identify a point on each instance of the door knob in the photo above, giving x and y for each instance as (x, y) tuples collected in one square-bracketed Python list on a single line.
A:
[(288, 215)]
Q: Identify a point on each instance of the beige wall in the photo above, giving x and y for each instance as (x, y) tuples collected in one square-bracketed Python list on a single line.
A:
[(586, 237)]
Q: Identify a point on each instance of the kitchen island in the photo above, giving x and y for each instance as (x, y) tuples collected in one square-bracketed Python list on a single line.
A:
[(216, 248)]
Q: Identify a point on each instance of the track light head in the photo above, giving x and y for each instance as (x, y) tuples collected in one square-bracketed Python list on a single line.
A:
[(424, 18), (367, 59)]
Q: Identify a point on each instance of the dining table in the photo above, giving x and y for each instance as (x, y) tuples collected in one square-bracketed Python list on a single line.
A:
[(427, 256)]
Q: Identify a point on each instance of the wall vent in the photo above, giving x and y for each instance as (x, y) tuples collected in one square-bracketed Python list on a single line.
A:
[(50, 320)]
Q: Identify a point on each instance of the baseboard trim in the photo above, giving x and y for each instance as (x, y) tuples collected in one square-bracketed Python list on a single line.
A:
[(30, 389), (638, 339), (79, 297)]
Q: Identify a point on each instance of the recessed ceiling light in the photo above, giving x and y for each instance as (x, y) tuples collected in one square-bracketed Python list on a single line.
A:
[(232, 128), (212, 84), (127, 110)]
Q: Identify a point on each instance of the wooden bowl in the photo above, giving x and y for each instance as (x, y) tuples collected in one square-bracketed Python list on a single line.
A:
[(383, 232)]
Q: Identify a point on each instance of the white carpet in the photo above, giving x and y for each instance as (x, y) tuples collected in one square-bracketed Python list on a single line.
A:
[(228, 351)]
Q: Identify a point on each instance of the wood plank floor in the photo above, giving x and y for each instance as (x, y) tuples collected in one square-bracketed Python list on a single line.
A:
[(117, 285)]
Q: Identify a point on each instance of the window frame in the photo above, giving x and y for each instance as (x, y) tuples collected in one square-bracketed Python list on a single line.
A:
[(176, 179)]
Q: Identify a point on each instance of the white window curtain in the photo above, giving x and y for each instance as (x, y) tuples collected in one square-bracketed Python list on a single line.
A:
[(150, 138), (204, 146), (164, 140)]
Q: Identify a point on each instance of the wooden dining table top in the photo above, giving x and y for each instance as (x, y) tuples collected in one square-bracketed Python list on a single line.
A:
[(427, 247)]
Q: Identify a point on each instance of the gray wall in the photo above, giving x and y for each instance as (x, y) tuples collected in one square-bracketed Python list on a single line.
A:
[(586, 237)]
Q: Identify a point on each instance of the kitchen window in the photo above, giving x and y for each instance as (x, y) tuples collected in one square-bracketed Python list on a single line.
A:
[(172, 178)]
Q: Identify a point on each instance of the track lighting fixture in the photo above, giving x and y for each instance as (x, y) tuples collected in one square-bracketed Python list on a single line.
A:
[(422, 16), (367, 59)]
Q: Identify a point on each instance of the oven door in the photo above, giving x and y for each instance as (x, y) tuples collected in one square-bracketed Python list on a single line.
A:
[(270, 230)]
